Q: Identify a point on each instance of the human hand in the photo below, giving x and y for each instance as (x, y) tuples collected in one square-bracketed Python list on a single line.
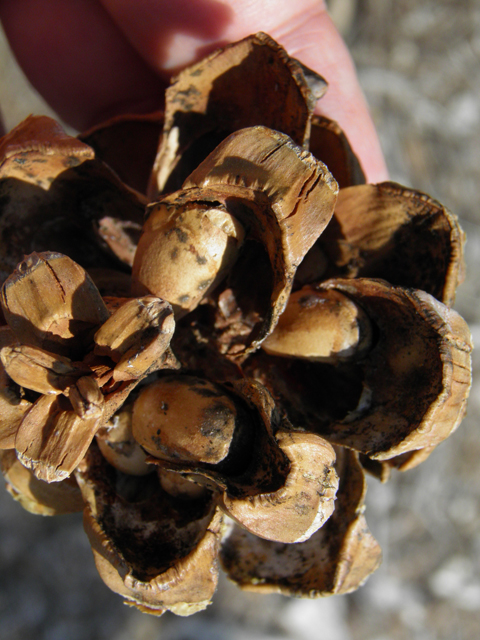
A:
[(92, 59)]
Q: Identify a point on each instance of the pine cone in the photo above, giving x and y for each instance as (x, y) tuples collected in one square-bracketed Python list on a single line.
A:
[(309, 314)]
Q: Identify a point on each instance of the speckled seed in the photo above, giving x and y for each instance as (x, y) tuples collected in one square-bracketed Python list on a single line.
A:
[(184, 253), (185, 418), (320, 325)]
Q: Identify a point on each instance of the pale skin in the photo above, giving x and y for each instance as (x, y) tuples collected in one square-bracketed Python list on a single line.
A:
[(92, 59)]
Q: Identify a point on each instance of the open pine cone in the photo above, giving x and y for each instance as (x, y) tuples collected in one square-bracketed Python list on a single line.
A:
[(210, 381)]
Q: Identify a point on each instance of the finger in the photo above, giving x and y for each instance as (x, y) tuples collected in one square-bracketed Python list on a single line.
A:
[(77, 58), (316, 42), (170, 36), (91, 61)]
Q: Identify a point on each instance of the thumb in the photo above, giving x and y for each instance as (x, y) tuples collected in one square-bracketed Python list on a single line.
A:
[(170, 38)]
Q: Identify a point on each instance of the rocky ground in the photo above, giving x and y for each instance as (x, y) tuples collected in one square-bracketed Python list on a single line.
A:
[(418, 63)]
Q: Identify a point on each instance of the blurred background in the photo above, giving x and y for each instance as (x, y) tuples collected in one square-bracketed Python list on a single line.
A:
[(419, 65)]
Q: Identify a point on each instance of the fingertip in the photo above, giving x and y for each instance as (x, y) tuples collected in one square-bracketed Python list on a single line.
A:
[(314, 39)]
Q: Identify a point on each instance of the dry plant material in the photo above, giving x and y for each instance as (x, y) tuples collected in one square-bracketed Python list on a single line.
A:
[(79, 362), (54, 195), (37, 496), (209, 359)]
